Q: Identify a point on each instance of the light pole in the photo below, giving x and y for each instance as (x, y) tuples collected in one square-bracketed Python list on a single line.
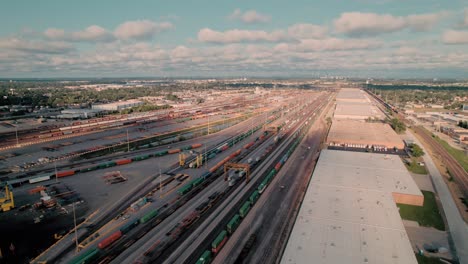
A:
[(55, 167), (128, 142), (74, 221), (16, 132)]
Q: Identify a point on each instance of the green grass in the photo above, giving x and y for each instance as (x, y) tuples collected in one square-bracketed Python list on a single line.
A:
[(426, 215), (427, 260), (459, 155), (415, 168)]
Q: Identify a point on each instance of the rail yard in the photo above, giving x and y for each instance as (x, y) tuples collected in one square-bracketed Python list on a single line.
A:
[(164, 186), (243, 178)]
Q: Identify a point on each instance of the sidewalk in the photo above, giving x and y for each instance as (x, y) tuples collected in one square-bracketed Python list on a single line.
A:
[(458, 229)]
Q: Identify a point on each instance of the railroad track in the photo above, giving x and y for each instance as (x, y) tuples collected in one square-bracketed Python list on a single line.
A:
[(455, 169)]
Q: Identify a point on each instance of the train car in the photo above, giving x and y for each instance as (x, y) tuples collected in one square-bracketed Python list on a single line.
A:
[(65, 173), (233, 224), (206, 175), (39, 179), (161, 153), (197, 181), (244, 210), (185, 189), (150, 215), (110, 239), (219, 242), (262, 186), (205, 258), (129, 226), (89, 169), (278, 166), (87, 257), (254, 197), (123, 161)]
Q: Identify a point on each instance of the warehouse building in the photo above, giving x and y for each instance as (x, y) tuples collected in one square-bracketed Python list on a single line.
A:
[(352, 95), (78, 113), (117, 106), (360, 134), (349, 212), (357, 111)]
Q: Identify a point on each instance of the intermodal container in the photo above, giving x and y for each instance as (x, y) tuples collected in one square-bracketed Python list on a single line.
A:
[(224, 148), (233, 224), (235, 154), (254, 197), (187, 148), (161, 153), (212, 155), (205, 258), (172, 151), (110, 239), (206, 175), (196, 145), (185, 189), (278, 166), (87, 257), (129, 226), (244, 209), (65, 173), (149, 216), (246, 146), (197, 182), (219, 242), (123, 161)]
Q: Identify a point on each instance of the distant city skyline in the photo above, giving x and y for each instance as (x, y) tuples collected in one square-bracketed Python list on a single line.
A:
[(356, 38)]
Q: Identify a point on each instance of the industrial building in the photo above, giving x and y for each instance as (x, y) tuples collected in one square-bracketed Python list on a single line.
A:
[(357, 111), (78, 113), (117, 106), (352, 95), (349, 212), (362, 134)]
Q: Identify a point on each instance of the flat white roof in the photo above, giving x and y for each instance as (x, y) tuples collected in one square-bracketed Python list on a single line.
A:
[(356, 110), (349, 215), (365, 133)]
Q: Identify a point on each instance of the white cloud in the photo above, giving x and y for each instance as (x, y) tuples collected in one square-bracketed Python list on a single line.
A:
[(455, 37), (54, 33), (92, 33), (140, 29), (365, 24), (307, 31), (30, 46), (249, 16), (238, 36), (330, 44)]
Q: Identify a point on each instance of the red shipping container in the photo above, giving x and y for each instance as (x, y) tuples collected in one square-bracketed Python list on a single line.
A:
[(110, 239), (65, 173)]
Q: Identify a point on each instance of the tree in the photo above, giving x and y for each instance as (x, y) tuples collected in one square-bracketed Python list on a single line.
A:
[(398, 125), (416, 150)]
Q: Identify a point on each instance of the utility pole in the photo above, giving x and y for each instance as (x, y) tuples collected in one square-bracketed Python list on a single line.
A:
[(17, 140), (160, 182), (128, 142), (56, 174), (74, 221)]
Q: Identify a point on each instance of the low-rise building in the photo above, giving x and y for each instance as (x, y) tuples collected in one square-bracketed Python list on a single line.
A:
[(117, 106)]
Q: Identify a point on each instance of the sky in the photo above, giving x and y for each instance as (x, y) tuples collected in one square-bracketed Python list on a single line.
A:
[(270, 38)]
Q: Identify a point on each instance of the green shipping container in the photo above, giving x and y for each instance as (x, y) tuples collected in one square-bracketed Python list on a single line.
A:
[(111, 164), (254, 197), (102, 166), (187, 148), (185, 189), (197, 182), (87, 257), (149, 216), (161, 153), (244, 209), (205, 258), (219, 239), (233, 224)]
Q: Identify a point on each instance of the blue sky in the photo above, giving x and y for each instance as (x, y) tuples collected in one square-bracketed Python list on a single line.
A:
[(361, 38)]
